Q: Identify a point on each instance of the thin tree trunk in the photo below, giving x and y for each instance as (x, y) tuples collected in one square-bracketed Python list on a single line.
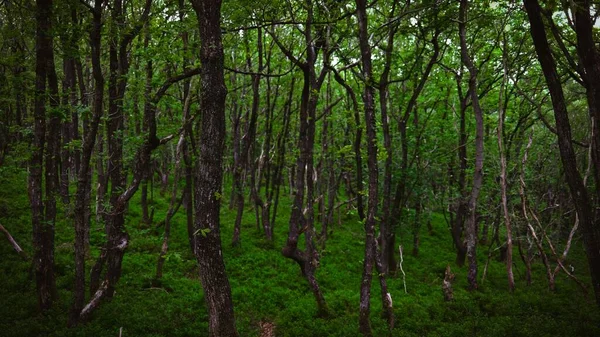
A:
[(371, 257), (302, 215), (188, 196), (80, 218), (356, 144), (538, 242), (281, 146), (173, 203), (471, 227), (386, 225), (460, 204), (589, 56), (503, 184)]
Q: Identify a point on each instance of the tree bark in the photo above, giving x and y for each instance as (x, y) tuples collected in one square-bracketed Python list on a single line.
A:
[(214, 280), (42, 217), (581, 199), (589, 56), (503, 183), (386, 225), (81, 222), (371, 257), (471, 227), (302, 215)]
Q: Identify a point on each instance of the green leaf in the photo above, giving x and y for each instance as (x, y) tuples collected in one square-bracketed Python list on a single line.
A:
[(202, 231)]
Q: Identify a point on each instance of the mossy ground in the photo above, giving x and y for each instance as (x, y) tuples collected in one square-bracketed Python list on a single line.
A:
[(269, 288)]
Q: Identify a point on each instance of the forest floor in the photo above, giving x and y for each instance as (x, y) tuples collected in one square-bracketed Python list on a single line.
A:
[(269, 291)]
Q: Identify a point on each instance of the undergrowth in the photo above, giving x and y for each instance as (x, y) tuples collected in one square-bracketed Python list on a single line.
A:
[(269, 288)]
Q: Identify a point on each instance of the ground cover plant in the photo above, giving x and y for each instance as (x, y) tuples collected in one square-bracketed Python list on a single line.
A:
[(268, 289)]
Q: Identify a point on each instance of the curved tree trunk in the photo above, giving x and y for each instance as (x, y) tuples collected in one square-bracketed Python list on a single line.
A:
[(581, 199)]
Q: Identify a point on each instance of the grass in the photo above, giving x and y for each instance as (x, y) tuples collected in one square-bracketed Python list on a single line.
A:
[(268, 287)]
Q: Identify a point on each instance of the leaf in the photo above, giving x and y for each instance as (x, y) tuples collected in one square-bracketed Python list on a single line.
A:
[(203, 231)]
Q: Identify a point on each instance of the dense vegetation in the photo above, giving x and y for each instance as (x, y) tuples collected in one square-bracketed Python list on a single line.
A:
[(299, 168)]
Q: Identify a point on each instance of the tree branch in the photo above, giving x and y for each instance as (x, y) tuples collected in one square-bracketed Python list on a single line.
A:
[(14, 244)]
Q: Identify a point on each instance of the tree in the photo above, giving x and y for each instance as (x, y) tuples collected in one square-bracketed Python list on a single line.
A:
[(45, 151), (581, 198), (471, 227), (217, 291), (371, 254), (81, 210), (302, 216)]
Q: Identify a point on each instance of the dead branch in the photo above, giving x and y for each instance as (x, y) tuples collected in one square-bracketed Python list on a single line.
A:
[(14, 244)]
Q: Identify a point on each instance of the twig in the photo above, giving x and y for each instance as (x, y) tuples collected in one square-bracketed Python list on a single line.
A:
[(559, 259), (344, 203), (402, 269), (589, 168)]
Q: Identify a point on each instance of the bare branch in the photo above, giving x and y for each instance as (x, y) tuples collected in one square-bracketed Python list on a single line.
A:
[(14, 244)]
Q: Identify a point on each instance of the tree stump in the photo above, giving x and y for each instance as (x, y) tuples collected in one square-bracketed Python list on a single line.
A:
[(447, 284)]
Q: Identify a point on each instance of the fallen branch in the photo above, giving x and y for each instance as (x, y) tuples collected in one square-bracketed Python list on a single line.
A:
[(559, 259), (15, 245)]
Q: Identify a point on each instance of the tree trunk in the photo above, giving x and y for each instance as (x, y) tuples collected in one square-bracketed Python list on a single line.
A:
[(589, 56), (217, 291), (581, 199), (173, 205), (370, 121), (241, 169), (471, 227), (302, 215), (42, 217), (386, 225), (282, 139), (81, 221), (503, 183)]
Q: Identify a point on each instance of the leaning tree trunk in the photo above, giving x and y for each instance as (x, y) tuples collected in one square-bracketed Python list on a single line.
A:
[(282, 139), (590, 59), (460, 204), (581, 199)]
